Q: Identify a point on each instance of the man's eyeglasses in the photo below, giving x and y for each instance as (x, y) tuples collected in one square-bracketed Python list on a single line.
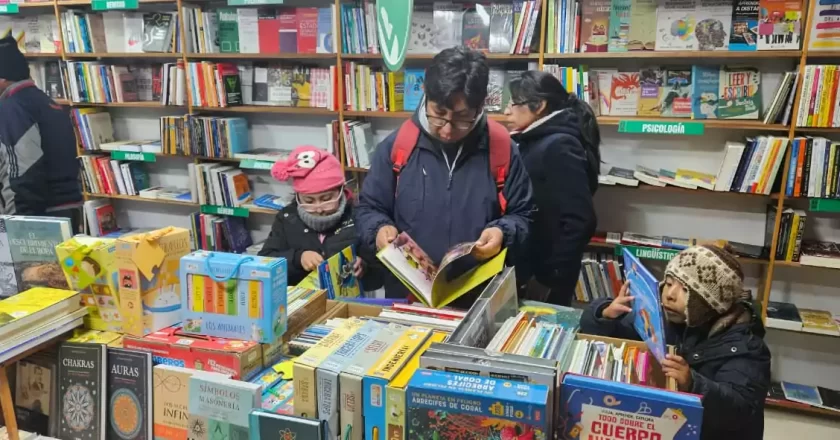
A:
[(457, 125)]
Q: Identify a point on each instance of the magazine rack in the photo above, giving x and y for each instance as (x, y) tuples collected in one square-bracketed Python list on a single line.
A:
[(6, 402)]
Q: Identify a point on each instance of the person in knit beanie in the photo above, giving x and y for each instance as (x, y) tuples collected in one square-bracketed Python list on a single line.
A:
[(717, 333), (13, 65), (319, 223)]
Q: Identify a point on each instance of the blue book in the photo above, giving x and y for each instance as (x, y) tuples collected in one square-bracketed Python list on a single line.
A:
[(794, 156), (237, 129), (325, 33), (648, 319), (220, 408), (705, 90), (597, 408), (413, 89)]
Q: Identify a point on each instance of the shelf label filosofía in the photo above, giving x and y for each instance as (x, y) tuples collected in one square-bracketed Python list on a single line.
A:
[(111, 5), (661, 127)]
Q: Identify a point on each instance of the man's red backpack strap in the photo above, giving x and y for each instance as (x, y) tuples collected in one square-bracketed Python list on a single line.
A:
[(407, 137)]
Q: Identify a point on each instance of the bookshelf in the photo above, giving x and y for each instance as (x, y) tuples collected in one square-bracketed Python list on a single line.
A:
[(791, 58)]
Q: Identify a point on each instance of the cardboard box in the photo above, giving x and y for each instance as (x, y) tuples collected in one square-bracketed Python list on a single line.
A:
[(240, 360), (345, 309), (234, 296), (658, 378), (90, 267), (395, 392), (150, 290), (307, 315), (306, 403), (382, 373)]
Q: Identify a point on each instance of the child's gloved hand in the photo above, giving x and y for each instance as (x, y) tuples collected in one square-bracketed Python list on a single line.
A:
[(620, 305), (677, 368)]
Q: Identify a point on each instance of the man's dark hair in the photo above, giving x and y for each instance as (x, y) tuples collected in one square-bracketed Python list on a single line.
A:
[(455, 71)]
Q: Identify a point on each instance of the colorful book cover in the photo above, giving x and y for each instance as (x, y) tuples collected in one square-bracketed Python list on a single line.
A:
[(414, 79), (642, 25), (476, 28), (704, 93), (619, 25), (744, 33), (740, 93), (604, 79), (594, 408), (451, 406), (284, 427), (171, 392), (675, 24), (8, 282), (779, 24), (307, 30), (326, 41), (130, 394), (824, 26), (714, 22), (624, 94), (337, 277), (23, 310), (82, 375), (648, 318), (228, 32), (651, 80), (220, 408), (594, 31), (676, 94), (32, 242)]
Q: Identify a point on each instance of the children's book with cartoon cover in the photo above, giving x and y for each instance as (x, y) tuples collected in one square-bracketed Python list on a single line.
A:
[(337, 277), (647, 320), (438, 285), (592, 408)]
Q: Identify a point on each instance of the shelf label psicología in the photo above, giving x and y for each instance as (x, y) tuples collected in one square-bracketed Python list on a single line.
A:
[(133, 156), (10, 8), (112, 5), (661, 127), (649, 253), (252, 164), (224, 210)]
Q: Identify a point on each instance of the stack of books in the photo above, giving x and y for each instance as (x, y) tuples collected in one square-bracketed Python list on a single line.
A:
[(525, 335), (601, 276), (49, 77), (93, 127), (818, 100), (787, 316), (358, 143)]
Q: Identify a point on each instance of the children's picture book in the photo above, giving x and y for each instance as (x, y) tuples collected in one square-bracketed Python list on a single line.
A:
[(675, 24), (704, 95), (648, 319), (594, 32), (744, 33), (592, 408), (676, 94), (779, 24), (336, 275), (740, 93), (714, 22), (438, 285)]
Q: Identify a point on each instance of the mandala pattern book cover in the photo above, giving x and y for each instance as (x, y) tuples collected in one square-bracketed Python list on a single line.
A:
[(82, 379), (129, 394)]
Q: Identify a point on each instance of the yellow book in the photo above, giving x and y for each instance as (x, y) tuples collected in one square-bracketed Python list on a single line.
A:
[(382, 373), (794, 230), (90, 267), (395, 391), (767, 164), (702, 180), (396, 91), (37, 305), (306, 403), (86, 336)]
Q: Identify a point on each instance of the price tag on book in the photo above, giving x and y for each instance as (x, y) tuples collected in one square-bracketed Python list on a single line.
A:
[(9, 9), (224, 210), (661, 127), (825, 205), (110, 5), (256, 164), (133, 156), (649, 253), (253, 2)]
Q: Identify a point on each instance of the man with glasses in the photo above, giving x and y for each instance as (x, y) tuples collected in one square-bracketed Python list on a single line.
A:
[(440, 178)]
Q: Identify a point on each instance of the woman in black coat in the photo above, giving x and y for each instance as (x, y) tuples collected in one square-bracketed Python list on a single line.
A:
[(559, 141)]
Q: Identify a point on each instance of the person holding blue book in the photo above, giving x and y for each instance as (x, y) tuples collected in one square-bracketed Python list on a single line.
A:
[(319, 223), (721, 354)]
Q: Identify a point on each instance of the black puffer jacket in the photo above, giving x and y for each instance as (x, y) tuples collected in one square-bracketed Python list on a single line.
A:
[(290, 237), (730, 370), (564, 177)]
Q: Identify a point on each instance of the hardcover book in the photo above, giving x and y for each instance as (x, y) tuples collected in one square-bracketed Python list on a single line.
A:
[(32, 242), (740, 93), (171, 400), (648, 319), (220, 408), (278, 426), (82, 375), (129, 394)]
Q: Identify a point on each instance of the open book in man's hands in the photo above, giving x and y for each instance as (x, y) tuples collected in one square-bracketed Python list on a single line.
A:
[(437, 286)]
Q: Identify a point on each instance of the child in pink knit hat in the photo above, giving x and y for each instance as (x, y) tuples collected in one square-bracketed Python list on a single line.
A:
[(319, 224)]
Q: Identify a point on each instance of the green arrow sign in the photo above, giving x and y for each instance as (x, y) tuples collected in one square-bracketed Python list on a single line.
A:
[(654, 127), (133, 156), (110, 5), (393, 23), (825, 205), (224, 210), (252, 164), (253, 2), (9, 9), (649, 253)]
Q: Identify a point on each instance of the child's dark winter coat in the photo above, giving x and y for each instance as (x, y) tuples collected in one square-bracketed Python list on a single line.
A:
[(730, 366)]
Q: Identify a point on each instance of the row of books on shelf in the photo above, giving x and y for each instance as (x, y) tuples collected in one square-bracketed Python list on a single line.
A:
[(120, 32), (265, 30), (819, 100), (103, 175), (359, 143), (497, 27), (672, 243), (207, 136), (34, 33), (94, 82), (789, 247), (814, 168), (787, 316), (220, 233), (626, 26), (806, 395), (601, 276)]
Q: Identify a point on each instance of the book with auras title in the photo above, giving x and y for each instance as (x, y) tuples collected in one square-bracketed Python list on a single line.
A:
[(219, 408), (648, 319), (82, 375), (597, 408), (130, 394), (438, 285)]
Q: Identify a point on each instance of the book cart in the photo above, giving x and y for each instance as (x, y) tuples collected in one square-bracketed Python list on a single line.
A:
[(801, 57)]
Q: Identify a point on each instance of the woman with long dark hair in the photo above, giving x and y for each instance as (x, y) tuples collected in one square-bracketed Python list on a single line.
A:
[(559, 141)]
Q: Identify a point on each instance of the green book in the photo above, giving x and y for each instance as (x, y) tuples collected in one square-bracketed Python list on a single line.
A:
[(228, 31)]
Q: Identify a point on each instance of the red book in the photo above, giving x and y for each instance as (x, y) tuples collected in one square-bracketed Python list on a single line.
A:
[(288, 31), (269, 30), (307, 31)]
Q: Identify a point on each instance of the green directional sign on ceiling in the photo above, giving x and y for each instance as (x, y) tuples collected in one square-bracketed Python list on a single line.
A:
[(393, 26)]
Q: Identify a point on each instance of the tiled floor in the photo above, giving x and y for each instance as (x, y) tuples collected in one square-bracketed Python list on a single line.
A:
[(784, 425)]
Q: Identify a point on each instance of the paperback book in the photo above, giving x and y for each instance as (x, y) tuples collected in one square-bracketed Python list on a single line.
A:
[(220, 408), (648, 319), (740, 93), (82, 375), (130, 405), (676, 21), (676, 94)]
